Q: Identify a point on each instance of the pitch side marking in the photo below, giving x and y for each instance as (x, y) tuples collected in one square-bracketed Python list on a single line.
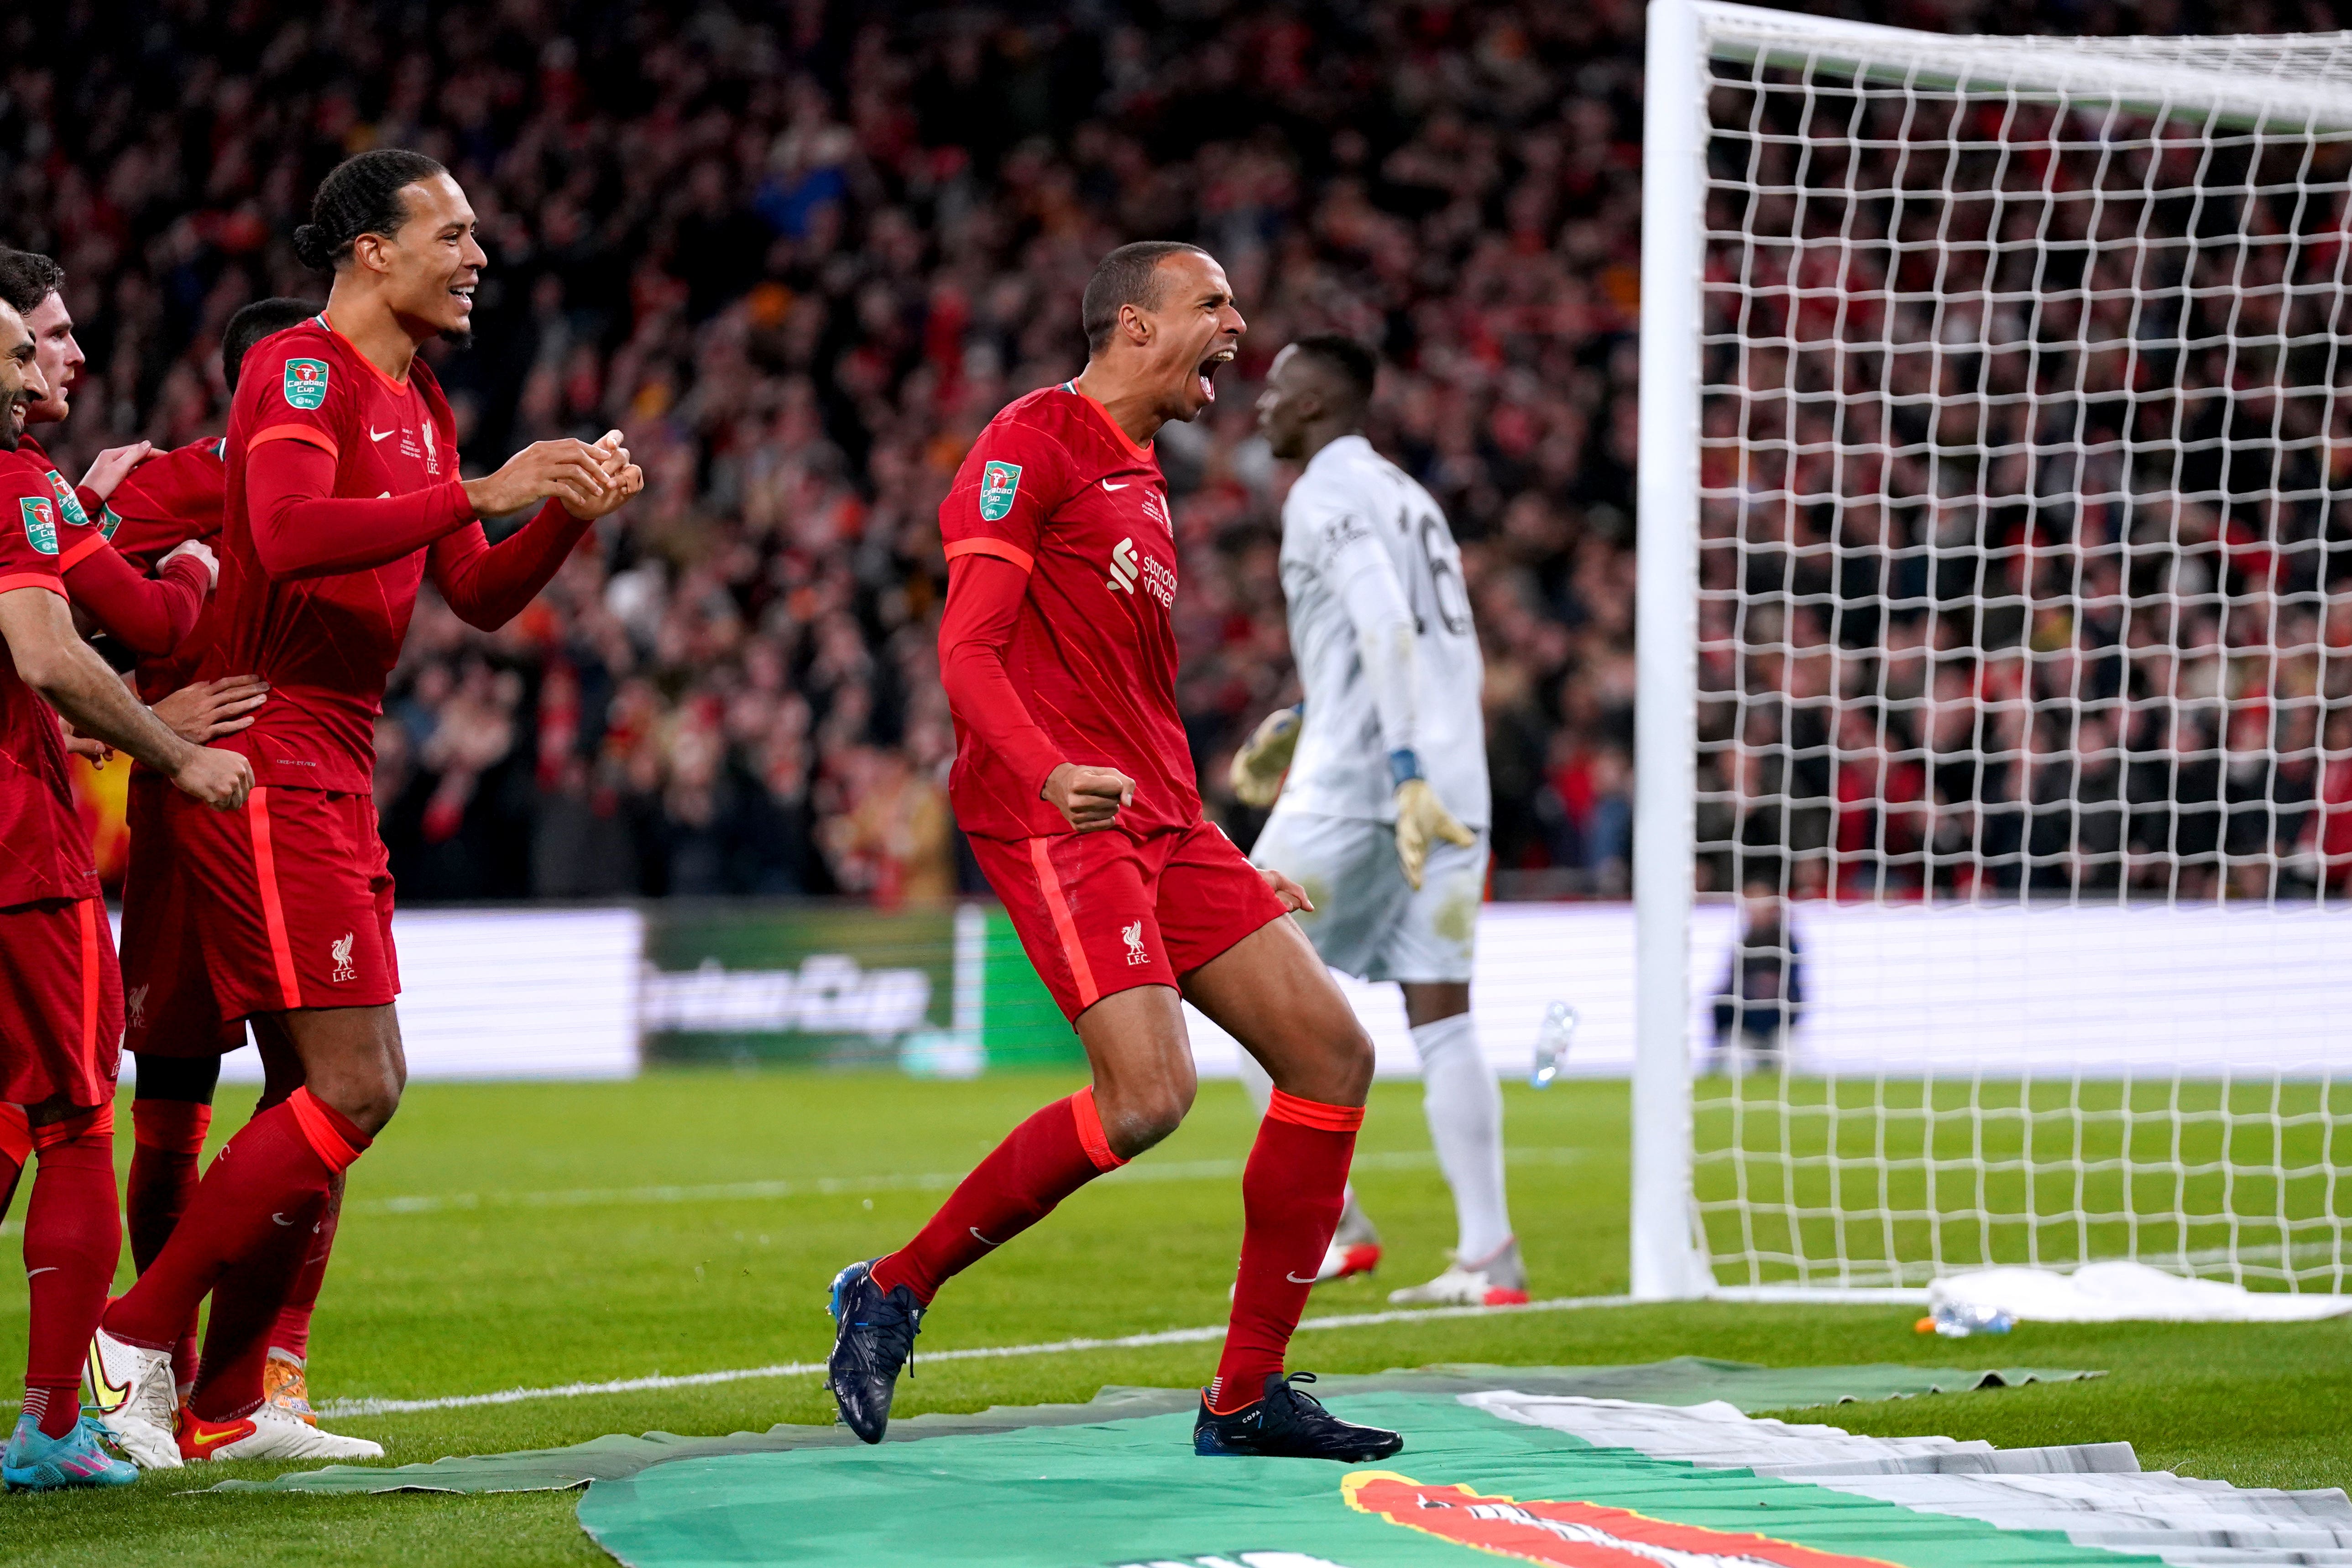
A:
[(861, 1186), (346, 1407)]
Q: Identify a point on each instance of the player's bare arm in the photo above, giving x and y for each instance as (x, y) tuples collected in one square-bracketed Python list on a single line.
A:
[(71, 676)]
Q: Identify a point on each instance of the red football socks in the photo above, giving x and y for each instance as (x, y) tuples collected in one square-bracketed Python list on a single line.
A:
[(1291, 1196), (15, 1151), (292, 1335), (168, 1141), (244, 1319), (270, 1178), (1040, 1163), (73, 1238)]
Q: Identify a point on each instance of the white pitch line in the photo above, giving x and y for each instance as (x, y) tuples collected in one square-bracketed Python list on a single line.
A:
[(858, 1186), (346, 1407)]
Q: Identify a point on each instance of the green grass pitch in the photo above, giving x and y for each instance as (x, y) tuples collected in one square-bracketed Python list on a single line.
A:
[(505, 1236)]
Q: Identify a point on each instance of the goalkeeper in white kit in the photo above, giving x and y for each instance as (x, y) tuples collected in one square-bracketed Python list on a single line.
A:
[(1383, 816)]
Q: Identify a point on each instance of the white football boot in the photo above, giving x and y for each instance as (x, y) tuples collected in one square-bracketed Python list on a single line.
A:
[(1355, 1246), (269, 1433), (130, 1393), (1499, 1279)]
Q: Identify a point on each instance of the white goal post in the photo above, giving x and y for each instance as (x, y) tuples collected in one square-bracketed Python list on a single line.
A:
[(1993, 857)]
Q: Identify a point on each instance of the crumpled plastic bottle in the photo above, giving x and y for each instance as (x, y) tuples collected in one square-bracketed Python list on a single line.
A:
[(1958, 1320)]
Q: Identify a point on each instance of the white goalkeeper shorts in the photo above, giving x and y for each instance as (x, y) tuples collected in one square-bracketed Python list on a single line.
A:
[(1367, 921)]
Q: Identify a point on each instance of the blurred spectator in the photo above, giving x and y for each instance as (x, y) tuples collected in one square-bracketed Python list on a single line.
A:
[(1762, 996)]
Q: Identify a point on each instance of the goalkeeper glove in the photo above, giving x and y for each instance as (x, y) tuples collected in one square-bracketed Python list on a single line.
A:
[(1264, 757), (1420, 817)]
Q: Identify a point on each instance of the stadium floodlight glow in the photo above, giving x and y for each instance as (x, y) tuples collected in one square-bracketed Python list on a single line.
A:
[(1996, 466)]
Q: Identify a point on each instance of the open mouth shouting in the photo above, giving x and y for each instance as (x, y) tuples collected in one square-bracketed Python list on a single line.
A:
[(1208, 371)]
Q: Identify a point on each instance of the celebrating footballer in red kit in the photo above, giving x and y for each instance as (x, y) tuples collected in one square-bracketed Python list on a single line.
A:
[(61, 994), (1075, 782), (341, 494)]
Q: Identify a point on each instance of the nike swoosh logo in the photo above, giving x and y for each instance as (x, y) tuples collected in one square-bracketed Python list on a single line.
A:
[(281, 1219), (206, 1439), (981, 1240), (1108, 486), (106, 1396), (376, 435), (50, 1268), (1295, 1280)]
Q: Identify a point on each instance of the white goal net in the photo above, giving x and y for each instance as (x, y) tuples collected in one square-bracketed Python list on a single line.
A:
[(1997, 630)]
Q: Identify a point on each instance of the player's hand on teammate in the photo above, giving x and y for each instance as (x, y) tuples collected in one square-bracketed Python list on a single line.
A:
[(1088, 798), (211, 708), (1264, 757), (1293, 897), (1422, 818), (194, 549), (220, 779), (589, 480), (111, 467)]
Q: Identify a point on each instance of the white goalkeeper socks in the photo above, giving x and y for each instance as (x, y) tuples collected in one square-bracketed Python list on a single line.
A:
[(1465, 1106), (1466, 1121)]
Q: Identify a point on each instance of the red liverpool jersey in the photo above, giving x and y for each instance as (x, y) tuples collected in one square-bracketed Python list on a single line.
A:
[(161, 504), (165, 501), (1055, 488), (30, 473), (326, 642), (44, 850)]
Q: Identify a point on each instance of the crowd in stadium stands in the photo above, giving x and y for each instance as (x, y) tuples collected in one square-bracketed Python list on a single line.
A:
[(801, 253), (2027, 506)]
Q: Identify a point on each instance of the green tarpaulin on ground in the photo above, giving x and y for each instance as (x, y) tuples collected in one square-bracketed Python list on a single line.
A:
[(1130, 1492), (1684, 1380)]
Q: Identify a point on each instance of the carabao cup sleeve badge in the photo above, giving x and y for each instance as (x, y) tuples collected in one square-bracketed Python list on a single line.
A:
[(40, 525), (306, 383), (999, 483)]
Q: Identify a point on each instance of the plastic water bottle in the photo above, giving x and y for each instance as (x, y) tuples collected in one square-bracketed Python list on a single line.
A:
[(1958, 1320), (1551, 1043)]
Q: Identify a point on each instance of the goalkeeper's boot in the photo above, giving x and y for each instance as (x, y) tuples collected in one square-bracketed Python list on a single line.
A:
[(267, 1433), (1290, 1422), (1498, 1280), (874, 1336), (1355, 1246), (35, 1463), (128, 1389), (284, 1385)]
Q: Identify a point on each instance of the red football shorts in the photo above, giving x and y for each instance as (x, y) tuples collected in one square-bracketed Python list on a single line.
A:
[(1102, 912), (292, 900), (60, 1004), (169, 1008)]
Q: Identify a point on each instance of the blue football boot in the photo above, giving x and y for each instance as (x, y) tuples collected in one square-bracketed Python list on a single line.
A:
[(32, 1462), (1290, 1424), (874, 1337)]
